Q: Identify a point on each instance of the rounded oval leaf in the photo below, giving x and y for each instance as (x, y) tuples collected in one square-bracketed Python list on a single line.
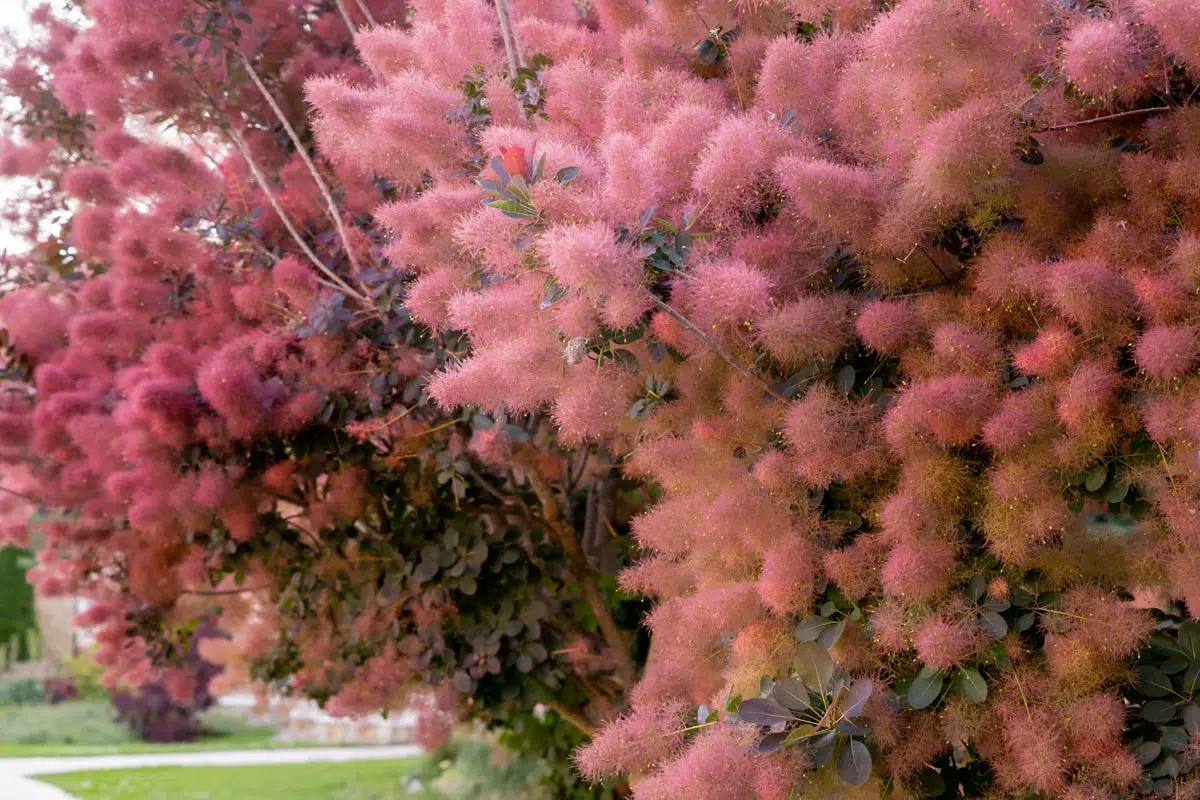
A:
[(791, 693), (813, 665), (854, 764), (972, 685), (1152, 682), (1191, 718), (810, 628), (762, 711), (830, 635), (1189, 638), (994, 624), (1146, 752), (924, 690), (856, 699), (1158, 711), (771, 743)]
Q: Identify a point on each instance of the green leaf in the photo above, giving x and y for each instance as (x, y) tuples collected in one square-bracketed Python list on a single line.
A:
[(1025, 621), (813, 665), (791, 693), (512, 208), (1022, 597), (1118, 490), (845, 379), (1167, 765), (1146, 752), (763, 711), (520, 188), (1095, 478), (994, 624), (565, 175), (924, 690), (972, 685), (1173, 666), (1172, 737), (1152, 682), (976, 587), (1191, 679), (810, 628), (854, 763), (1157, 711), (830, 635), (1189, 639)]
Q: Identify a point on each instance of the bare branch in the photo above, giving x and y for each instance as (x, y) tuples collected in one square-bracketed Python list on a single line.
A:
[(511, 48), (581, 570), (334, 214), (362, 6), (1107, 118), (240, 144), (573, 717), (718, 348)]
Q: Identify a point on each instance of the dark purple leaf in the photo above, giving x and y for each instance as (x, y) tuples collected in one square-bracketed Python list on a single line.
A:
[(854, 764), (860, 693), (763, 711), (791, 693)]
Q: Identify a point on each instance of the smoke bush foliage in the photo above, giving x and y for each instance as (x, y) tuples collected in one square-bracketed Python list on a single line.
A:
[(894, 306)]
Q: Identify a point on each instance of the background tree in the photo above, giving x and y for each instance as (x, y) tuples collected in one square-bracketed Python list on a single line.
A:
[(216, 401)]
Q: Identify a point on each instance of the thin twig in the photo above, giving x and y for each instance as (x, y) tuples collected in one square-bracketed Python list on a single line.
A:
[(716, 346), (362, 6), (240, 144), (341, 7), (511, 48), (573, 717), (334, 214), (1106, 118), (221, 592)]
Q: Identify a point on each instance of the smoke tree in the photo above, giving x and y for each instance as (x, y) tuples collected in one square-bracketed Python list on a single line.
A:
[(215, 400), (892, 309)]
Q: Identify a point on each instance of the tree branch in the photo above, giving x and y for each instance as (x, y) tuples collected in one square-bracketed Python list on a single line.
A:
[(334, 214), (511, 48), (716, 346), (362, 6), (1106, 118), (240, 144), (581, 570), (573, 717)]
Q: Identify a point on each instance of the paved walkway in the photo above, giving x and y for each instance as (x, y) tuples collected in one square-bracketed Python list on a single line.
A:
[(16, 783)]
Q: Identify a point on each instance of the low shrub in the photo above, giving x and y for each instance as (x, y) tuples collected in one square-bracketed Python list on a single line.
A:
[(83, 723), (85, 674), (59, 690), (26, 690), (165, 710)]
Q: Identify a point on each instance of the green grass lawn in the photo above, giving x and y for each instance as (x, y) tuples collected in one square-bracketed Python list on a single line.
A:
[(87, 729), (359, 780)]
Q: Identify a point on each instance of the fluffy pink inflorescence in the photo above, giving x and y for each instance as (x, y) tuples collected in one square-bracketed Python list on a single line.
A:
[(1168, 351), (831, 438), (888, 326), (1102, 59), (918, 569), (808, 329), (649, 735), (588, 257), (949, 411), (943, 643)]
